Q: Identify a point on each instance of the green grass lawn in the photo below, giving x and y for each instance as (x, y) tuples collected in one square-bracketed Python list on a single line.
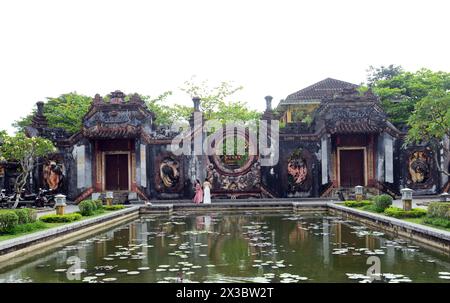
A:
[(420, 221), (45, 226), (412, 220), (12, 236)]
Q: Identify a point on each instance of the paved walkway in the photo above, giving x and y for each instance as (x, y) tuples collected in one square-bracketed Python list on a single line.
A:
[(417, 203), (69, 209)]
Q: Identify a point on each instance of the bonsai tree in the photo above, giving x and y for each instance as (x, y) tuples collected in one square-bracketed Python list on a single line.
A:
[(24, 151)]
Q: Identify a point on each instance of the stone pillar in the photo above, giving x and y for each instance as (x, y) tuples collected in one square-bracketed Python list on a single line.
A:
[(60, 204), (407, 198), (359, 192), (388, 159), (196, 101), (268, 103), (109, 198)]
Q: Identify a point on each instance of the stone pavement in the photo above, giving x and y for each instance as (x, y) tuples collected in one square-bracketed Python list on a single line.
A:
[(69, 209), (417, 202)]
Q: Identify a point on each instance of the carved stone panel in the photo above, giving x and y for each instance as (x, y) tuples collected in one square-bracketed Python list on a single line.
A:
[(169, 176), (420, 168), (299, 171)]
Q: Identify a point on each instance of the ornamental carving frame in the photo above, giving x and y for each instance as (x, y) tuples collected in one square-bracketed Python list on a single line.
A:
[(169, 173), (420, 168), (217, 160), (299, 171)]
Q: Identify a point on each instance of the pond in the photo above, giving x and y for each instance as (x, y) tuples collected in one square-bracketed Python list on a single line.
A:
[(235, 247)]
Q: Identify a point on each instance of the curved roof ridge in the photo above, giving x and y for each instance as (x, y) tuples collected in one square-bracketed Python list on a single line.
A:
[(319, 90)]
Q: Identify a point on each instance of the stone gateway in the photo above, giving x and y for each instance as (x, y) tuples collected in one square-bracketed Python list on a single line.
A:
[(332, 137)]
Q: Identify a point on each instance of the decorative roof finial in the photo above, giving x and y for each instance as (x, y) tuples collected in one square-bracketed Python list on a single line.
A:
[(196, 101), (98, 99), (117, 97), (135, 98), (40, 108), (39, 121), (268, 102)]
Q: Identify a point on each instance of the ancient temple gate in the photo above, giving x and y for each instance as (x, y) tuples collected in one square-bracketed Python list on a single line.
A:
[(360, 141), (348, 142)]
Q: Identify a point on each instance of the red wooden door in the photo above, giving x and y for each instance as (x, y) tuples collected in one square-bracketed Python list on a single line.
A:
[(116, 172), (351, 167)]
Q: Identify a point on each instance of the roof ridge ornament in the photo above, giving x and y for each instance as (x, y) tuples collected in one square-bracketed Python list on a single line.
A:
[(98, 100), (39, 120), (117, 97), (136, 99)]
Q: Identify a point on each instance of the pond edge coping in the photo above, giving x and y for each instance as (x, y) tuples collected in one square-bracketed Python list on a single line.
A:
[(25, 241), (425, 234)]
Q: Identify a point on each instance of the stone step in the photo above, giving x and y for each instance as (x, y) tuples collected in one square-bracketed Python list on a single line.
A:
[(119, 197)]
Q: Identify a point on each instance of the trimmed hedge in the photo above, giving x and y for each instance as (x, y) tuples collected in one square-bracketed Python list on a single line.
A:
[(439, 210), (357, 203), (397, 212), (114, 207), (437, 222), (382, 202), (98, 204), (29, 227), (8, 221), (26, 215), (51, 218), (87, 207)]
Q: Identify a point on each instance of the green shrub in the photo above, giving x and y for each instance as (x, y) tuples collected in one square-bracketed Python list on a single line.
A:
[(439, 210), (382, 202), (26, 215), (437, 222), (8, 221), (370, 207), (400, 213), (87, 208), (113, 207), (357, 203), (60, 218), (28, 227), (98, 204)]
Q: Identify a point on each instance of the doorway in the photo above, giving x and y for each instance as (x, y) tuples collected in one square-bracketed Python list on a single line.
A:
[(352, 167), (116, 172)]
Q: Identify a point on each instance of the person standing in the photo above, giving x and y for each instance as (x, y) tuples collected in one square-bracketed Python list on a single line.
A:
[(207, 192), (198, 198)]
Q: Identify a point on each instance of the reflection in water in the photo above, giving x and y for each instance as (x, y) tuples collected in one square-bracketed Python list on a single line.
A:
[(234, 247)]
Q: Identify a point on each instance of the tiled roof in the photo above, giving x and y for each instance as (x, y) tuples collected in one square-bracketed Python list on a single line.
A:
[(349, 128), (318, 91)]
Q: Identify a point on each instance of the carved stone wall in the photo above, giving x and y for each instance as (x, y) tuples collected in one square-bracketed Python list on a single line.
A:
[(419, 170)]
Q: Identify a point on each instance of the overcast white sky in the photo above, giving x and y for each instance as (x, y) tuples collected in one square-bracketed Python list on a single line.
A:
[(270, 47)]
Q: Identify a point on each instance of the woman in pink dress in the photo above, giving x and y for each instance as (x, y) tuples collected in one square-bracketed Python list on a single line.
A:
[(198, 198)]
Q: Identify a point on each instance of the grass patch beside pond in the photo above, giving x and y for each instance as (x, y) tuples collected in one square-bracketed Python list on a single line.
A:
[(38, 225), (424, 221), (26, 229), (416, 215)]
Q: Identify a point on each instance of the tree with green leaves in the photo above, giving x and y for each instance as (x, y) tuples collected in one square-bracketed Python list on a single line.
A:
[(66, 111), (25, 151), (399, 91), (430, 122), (215, 102), (166, 115), (375, 74)]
